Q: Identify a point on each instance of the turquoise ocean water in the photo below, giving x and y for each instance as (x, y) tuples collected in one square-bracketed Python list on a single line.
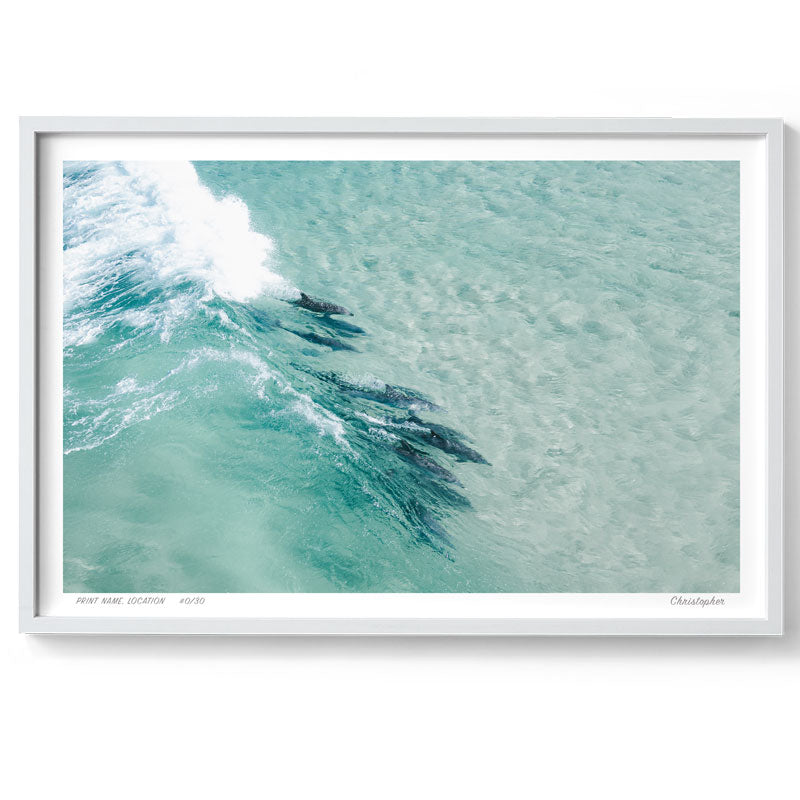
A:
[(537, 390)]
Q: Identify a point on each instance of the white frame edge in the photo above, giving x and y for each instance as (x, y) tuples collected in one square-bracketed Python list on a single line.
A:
[(32, 127)]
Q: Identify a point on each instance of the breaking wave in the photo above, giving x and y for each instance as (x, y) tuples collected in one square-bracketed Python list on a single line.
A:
[(172, 302)]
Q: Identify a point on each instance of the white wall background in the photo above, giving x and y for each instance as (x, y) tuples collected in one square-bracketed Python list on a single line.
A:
[(165, 718)]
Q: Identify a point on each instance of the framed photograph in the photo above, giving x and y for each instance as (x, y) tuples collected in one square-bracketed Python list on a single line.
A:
[(401, 376)]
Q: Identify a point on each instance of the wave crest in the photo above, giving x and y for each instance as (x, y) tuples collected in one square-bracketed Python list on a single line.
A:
[(157, 216)]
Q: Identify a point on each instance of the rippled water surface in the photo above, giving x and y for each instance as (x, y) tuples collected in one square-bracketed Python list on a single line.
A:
[(537, 389)]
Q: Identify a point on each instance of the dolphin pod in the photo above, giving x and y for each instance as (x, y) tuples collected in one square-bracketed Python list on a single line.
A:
[(412, 438)]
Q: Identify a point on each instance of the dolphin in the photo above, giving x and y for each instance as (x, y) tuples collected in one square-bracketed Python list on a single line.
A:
[(419, 459), (320, 306), (394, 396), (325, 341), (346, 328), (447, 440), (401, 397)]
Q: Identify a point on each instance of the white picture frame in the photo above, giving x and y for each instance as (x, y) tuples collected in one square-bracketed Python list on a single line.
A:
[(624, 616)]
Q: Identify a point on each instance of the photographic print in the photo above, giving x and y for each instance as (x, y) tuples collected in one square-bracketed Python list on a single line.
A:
[(401, 376)]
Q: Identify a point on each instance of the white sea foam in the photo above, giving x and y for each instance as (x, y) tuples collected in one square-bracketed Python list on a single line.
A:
[(157, 217), (405, 425), (381, 433), (323, 420), (366, 382), (326, 422), (83, 330), (373, 420), (125, 386), (147, 246), (113, 421)]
